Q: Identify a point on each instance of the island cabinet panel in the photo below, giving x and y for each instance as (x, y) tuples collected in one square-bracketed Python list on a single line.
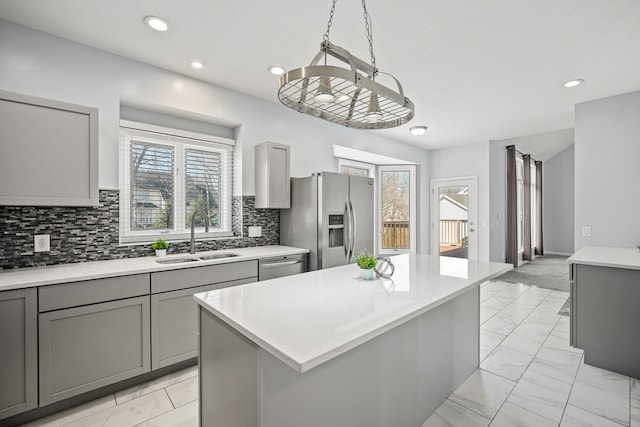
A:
[(173, 280), (605, 316), (18, 352), (84, 348), (174, 315)]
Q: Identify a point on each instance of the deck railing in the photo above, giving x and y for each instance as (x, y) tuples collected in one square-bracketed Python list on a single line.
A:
[(453, 232), (395, 235)]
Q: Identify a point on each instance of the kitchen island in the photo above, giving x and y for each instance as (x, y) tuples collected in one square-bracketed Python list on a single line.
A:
[(326, 348)]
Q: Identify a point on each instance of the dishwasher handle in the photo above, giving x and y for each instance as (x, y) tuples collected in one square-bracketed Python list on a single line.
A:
[(280, 264)]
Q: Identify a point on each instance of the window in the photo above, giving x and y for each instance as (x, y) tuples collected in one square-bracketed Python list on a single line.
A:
[(166, 177), (397, 189), (351, 167)]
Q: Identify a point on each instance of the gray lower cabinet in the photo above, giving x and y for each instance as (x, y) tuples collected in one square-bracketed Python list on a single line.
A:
[(86, 347), (18, 352), (174, 315), (605, 317)]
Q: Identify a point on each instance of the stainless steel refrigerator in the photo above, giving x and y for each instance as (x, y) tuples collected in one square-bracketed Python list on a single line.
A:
[(331, 214)]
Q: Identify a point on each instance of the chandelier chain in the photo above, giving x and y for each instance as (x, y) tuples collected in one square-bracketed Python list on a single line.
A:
[(333, 9), (369, 28)]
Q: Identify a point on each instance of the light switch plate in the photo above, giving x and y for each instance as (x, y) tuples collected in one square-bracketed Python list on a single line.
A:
[(255, 231), (586, 231), (41, 243)]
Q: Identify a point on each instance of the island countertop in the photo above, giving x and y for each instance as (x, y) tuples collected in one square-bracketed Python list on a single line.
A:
[(604, 256), (310, 318)]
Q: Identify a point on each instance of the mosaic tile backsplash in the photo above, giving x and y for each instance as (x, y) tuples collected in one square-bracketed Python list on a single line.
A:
[(92, 234)]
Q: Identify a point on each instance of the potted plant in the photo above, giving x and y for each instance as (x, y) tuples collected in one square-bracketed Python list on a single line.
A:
[(367, 263), (160, 246)]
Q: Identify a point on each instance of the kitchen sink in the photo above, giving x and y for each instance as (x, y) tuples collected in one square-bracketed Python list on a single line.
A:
[(176, 260), (218, 256)]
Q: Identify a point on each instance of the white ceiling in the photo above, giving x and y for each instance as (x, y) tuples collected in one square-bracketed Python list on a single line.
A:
[(475, 70)]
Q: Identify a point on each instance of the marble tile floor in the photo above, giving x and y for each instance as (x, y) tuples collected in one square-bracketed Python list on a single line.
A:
[(528, 376)]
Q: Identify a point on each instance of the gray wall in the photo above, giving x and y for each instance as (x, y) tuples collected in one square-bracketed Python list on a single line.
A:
[(607, 173), (38, 64), (558, 202)]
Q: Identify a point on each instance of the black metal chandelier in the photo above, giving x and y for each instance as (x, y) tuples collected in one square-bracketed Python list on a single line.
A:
[(348, 96)]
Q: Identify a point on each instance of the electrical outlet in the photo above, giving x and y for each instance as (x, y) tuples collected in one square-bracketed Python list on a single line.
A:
[(41, 243), (586, 231), (255, 231)]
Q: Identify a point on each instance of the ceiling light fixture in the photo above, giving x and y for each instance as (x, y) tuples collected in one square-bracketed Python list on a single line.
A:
[(156, 23), (196, 64), (315, 89), (418, 130), (276, 70), (573, 83)]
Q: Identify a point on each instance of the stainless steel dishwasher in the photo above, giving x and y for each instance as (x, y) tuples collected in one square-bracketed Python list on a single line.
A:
[(270, 268)]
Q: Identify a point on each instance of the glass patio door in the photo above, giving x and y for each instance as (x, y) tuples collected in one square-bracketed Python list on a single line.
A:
[(454, 218)]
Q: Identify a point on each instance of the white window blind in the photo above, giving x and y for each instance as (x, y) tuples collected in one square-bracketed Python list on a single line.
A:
[(166, 178)]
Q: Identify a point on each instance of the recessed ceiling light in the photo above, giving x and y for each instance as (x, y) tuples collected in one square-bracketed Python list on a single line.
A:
[(196, 64), (276, 70), (572, 83), (156, 23), (418, 130)]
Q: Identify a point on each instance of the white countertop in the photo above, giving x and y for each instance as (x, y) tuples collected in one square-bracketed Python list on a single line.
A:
[(307, 319), (604, 256), (63, 273)]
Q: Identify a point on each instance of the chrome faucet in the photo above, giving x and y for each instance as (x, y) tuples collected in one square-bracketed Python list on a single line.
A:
[(192, 250)]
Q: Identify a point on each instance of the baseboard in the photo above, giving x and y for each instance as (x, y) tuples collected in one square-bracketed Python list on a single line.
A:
[(557, 253)]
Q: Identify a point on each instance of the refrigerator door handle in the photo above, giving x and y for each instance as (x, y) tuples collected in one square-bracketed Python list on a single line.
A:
[(347, 243), (352, 228)]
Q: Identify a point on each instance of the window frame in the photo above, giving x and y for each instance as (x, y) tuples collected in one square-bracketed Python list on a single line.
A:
[(413, 198), (181, 141)]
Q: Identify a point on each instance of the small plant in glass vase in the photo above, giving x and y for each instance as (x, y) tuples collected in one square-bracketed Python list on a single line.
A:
[(367, 263), (160, 246)]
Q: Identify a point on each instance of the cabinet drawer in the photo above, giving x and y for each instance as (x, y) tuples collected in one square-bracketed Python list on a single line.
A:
[(173, 280), (56, 297)]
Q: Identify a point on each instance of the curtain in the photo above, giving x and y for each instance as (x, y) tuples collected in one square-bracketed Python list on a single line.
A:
[(512, 207), (539, 242), (526, 208)]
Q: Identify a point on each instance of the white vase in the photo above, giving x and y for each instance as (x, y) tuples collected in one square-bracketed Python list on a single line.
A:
[(369, 274), (161, 252)]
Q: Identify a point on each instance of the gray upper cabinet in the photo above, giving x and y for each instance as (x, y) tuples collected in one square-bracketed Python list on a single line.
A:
[(82, 348), (18, 352), (48, 152), (272, 175)]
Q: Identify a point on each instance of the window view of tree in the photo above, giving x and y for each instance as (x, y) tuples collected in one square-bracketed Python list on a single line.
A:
[(396, 209), (203, 186), (152, 186)]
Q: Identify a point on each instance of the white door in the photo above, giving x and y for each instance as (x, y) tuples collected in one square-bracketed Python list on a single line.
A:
[(454, 217)]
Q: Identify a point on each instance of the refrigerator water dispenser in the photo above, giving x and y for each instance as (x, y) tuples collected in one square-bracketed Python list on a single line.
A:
[(336, 230)]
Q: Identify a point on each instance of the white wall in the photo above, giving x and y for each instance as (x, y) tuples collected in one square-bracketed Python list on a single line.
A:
[(607, 173), (468, 160), (558, 178), (38, 64)]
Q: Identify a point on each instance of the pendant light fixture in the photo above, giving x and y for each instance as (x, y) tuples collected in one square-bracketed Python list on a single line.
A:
[(348, 95)]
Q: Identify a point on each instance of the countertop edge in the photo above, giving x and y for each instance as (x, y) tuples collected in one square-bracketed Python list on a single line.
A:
[(307, 364), (76, 272)]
